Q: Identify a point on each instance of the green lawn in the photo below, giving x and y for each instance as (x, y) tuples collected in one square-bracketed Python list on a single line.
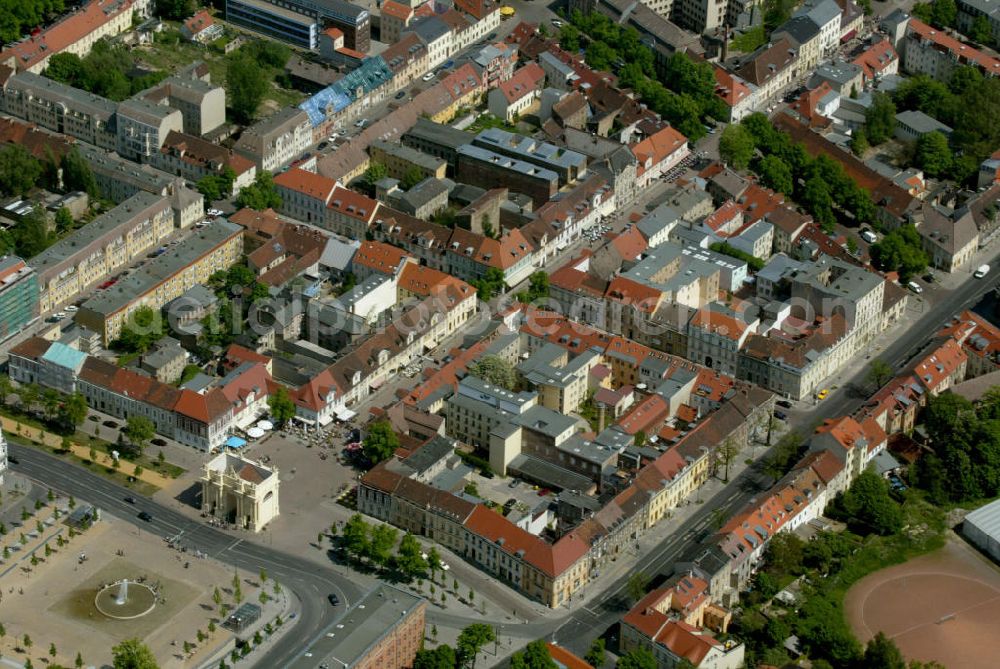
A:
[(486, 121)]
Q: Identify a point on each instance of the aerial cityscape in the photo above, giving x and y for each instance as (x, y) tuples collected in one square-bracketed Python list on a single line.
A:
[(393, 334)]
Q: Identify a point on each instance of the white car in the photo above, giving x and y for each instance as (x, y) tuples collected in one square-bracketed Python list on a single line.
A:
[(71, 308), (915, 287), (428, 76), (869, 236), (982, 271), (557, 23)]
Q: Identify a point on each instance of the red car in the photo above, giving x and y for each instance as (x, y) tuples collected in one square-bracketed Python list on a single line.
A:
[(108, 283)]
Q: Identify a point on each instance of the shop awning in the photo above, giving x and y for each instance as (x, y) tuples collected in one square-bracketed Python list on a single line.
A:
[(235, 442)]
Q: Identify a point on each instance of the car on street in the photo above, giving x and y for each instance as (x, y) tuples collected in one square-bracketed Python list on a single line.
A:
[(784, 403), (821, 395), (557, 23), (110, 423), (71, 308), (145, 515), (781, 415), (322, 145), (915, 287), (869, 236), (13, 460), (334, 599), (982, 271), (400, 95), (159, 442), (428, 76), (130, 500), (929, 278)]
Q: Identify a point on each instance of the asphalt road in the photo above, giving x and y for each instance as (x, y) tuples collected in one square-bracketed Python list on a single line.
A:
[(309, 583)]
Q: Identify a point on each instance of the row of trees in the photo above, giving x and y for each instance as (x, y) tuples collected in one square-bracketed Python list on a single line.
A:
[(18, 17), (374, 544), (260, 195), (683, 93), (106, 71), (819, 184), (63, 412)]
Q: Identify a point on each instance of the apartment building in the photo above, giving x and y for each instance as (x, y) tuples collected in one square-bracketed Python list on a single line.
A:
[(400, 160), (60, 108), (561, 383), (926, 50), (217, 246), (772, 68), (143, 126), (484, 168), (304, 195), (277, 140), (478, 407), (77, 263), (202, 105), (518, 95), (74, 33), (194, 158), (395, 18), (18, 295), (970, 10)]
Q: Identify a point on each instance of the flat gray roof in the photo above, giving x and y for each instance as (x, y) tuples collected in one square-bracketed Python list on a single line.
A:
[(79, 243), (409, 154), (160, 269), (506, 162), (72, 98), (437, 133), (350, 637)]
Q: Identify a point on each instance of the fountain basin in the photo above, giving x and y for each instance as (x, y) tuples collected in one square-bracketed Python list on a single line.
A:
[(140, 601)]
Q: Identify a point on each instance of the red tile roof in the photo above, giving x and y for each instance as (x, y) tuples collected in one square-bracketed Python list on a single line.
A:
[(719, 323), (966, 55), (729, 87), (877, 58), (353, 204), (683, 640), (637, 295), (630, 243), (70, 30), (566, 659), (200, 21), (551, 560), (526, 80), (658, 147), (308, 183), (396, 10), (382, 257), (977, 335)]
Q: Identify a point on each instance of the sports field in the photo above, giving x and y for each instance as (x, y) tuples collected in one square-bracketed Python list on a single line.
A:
[(943, 606)]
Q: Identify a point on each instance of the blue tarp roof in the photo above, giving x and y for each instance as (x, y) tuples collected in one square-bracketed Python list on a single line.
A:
[(235, 442), (372, 73)]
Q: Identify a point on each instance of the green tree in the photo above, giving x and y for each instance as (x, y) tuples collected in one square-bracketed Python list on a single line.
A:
[(736, 146), (636, 585), (944, 13), (595, 654), (78, 662), (19, 170), (879, 372), (73, 411), (933, 154), (859, 142), (442, 657), (882, 653), (142, 328), (776, 174), (261, 194), (375, 173), (492, 283), (31, 233), (868, 503), (408, 557), (880, 119), (411, 178), (77, 174), (980, 30), (901, 251), (138, 430), (640, 658), (66, 68), (355, 536), (380, 442), (175, 10), (246, 84), (471, 640), (281, 406), (495, 370), (383, 538), (535, 655), (64, 219)]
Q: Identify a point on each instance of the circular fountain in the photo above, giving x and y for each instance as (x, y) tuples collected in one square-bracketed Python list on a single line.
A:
[(125, 600)]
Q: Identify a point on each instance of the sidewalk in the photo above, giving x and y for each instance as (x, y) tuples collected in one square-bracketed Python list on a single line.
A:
[(12, 426)]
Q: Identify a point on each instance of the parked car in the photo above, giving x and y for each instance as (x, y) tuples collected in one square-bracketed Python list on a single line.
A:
[(400, 95), (781, 415), (784, 403), (915, 287), (110, 423), (869, 236), (821, 395), (982, 271), (428, 76)]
